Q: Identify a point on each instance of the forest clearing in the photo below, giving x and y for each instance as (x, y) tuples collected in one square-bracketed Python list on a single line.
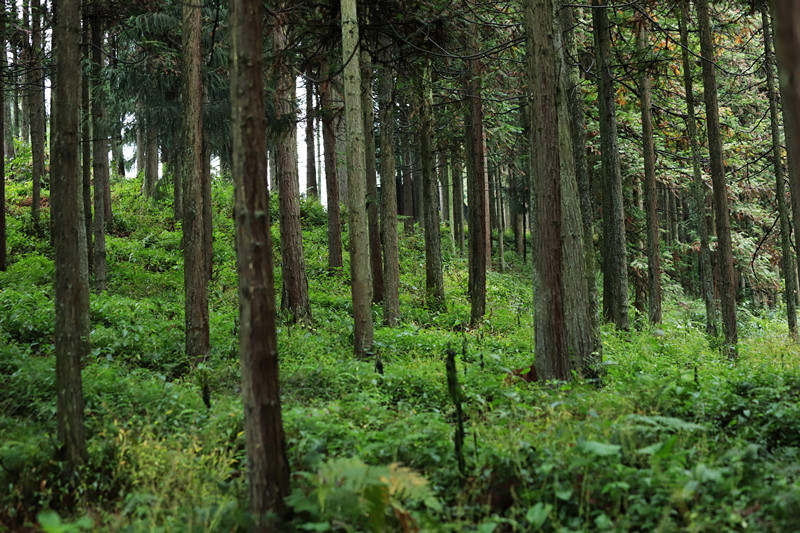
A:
[(399, 266)]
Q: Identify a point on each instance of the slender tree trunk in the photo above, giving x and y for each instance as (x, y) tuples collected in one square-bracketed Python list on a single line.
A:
[(418, 186), (787, 263), (331, 178), (391, 257), (177, 186), (408, 179), (444, 182), (434, 281), (194, 265), (722, 215), (372, 183), (615, 267), (36, 109), (294, 299), (150, 161), (458, 198), (25, 77), (72, 273), (86, 142), (648, 151), (99, 155), (208, 215), (140, 140), (311, 168), (477, 186), (698, 186), (357, 183), (3, 129), (267, 465), (116, 149), (552, 360)]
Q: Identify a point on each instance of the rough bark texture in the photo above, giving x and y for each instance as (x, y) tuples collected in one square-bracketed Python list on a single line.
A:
[(699, 194), (36, 108), (86, 143), (721, 213), (331, 178), (150, 162), (99, 156), (477, 187), (615, 264), (372, 180), (444, 183), (458, 199), (194, 265), (391, 256), (294, 298), (434, 282), (551, 360), (408, 177), (69, 238), (357, 186), (787, 263), (311, 160), (267, 465), (651, 212)]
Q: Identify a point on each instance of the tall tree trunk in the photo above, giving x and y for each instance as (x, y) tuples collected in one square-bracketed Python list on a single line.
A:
[(722, 215), (208, 215), (140, 140), (36, 109), (418, 186), (434, 281), (99, 155), (267, 465), (372, 180), (391, 256), (408, 176), (648, 152), (477, 187), (311, 160), (552, 360), (25, 59), (86, 141), (3, 129), (357, 183), (72, 273), (458, 198), (698, 186), (787, 263), (116, 149), (177, 186), (615, 267), (444, 183), (194, 265), (501, 222), (294, 298), (150, 161), (331, 178)]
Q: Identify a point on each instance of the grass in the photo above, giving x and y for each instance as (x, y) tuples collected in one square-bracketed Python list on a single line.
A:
[(674, 438)]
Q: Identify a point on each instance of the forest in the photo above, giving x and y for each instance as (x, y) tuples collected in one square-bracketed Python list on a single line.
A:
[(399, 265)]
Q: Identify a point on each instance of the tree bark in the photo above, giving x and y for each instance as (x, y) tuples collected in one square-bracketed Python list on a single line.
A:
[(787, 263), (552, 361), (86, 141), (408, 176), (311, 168), (391, 257), (372, 184), (72, 273), (361, 283), (99, 155), (294, 300), (615, 264), (331, 178), (3, 129), (208, 215), (434, 281), (458, 198), (267, 465), (194, 265), (720, 189), (150, 161), (698, 186), (36, 108)]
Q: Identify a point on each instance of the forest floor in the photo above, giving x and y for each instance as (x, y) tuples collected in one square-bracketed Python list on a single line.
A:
[(675, 437)]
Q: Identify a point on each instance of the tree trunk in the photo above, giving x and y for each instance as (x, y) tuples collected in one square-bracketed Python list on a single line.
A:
[(177, 186), (372, 184), (311, 168), (357, 186), (194, 265), (36, 109), (99, 155), (140, 141), (294, 298), (331, 181), (477, 186), (391, 257), (651, 211), (458, 198), (615, 267), (86, 142), (787, 263), (501, 223), (72, 273), (267, 465), (552, 361), (150, 161), (208, 215), (722, 215), (444, 182), (698, 186), (434, 281), (3, 129), (408, 179)]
